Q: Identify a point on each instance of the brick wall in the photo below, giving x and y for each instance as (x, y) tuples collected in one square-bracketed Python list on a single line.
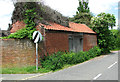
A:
[(56, 41), (17, 26), (19, 53), (89, 41)]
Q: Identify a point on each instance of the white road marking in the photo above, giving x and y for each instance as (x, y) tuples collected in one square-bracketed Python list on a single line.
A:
[(112, 65), (97, 76)]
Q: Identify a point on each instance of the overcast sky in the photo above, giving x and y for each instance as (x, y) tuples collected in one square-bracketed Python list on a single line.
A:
[(66, 7)]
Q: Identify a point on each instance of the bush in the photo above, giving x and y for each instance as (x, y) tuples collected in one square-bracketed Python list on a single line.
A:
[(20, 34), (60, 59), (53, 62), (96, 51)]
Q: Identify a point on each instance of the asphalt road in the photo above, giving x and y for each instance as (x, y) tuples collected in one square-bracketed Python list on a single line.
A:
[(100, 68)]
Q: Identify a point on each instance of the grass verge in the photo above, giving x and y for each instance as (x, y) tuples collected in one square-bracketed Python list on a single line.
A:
[(116, 49), (24, 70), (56, 61)]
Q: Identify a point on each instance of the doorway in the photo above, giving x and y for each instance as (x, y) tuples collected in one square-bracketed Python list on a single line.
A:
[(75, 43)]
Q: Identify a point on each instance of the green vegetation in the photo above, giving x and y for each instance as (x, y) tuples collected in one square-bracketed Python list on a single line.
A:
[(83, 15), (83, 7), (56, 61), (105, 38), (60, 59), (20, 34), (101, 25), (24, 70), (26, 32), (116, 39)]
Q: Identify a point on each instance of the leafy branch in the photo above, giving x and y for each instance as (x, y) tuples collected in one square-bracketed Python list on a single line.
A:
[(26, 32)]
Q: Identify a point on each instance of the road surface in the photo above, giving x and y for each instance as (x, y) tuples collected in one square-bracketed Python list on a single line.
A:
[(100, 68)]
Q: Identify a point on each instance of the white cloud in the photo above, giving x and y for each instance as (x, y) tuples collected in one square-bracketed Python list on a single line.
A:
[(98, 6), (4, 22), (69, 7), (6, 8), (66, 7)]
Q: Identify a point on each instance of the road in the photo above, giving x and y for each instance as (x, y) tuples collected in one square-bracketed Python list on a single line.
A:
[(100, 68)]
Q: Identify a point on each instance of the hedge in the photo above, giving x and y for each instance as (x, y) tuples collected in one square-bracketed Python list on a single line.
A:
[(60, 59)]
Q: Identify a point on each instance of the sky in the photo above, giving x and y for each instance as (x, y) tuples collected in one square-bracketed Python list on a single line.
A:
[(66, 7)]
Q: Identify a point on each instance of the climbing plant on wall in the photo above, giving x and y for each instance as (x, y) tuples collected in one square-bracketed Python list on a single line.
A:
[(29, 16)]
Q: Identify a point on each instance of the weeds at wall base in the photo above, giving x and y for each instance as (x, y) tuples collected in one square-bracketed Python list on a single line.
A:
[(59, 60), (24, 70), (56, 61)]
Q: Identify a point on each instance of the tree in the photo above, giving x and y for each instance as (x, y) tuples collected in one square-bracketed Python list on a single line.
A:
[(101, 25), (83, 14), (83, 7), (116, 34)]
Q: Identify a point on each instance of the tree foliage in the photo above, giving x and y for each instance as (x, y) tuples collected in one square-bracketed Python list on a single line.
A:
[(83, 7), (83, 14), (101, 25), (116, 35), (28, 30)]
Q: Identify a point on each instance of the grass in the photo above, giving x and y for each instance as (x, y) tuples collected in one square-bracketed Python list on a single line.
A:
[(24, 70), (32, 69), (116, 49), (0, 70), (28, 70), (56, 62)]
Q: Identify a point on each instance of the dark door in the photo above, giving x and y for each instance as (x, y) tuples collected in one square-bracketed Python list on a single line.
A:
[(75, 44), (70, 44)]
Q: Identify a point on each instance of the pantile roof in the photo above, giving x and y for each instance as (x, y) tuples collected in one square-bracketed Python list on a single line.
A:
[(73, 27)]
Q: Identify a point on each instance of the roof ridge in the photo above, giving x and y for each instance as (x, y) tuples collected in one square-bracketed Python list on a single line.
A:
[(74, 27)]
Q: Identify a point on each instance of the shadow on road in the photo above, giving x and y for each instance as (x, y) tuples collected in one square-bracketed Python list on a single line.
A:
[(112, 53)]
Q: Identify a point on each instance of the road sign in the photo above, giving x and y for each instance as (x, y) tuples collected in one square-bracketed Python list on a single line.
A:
[(37, 37)]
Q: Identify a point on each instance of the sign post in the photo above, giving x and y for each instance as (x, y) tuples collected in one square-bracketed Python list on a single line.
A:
[(36, 56), (37, 37)]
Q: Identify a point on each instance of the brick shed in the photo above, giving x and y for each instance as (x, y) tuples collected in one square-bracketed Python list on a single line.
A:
[(76, 37), (21, 52)]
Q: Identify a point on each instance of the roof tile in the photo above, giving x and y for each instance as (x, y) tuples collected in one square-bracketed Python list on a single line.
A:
[(73, 27)]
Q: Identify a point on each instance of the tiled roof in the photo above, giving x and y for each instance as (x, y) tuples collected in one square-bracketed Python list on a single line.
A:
[(73, 27), (80, 28)]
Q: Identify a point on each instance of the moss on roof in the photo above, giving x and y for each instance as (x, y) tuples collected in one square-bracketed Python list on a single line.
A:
[(44, 13)]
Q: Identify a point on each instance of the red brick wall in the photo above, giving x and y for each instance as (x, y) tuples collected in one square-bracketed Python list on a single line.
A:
[(56, 42), (89, 41), (19, 53), (16, 26)]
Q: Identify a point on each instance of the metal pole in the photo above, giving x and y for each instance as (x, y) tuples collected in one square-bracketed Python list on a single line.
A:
[(36, 56)]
